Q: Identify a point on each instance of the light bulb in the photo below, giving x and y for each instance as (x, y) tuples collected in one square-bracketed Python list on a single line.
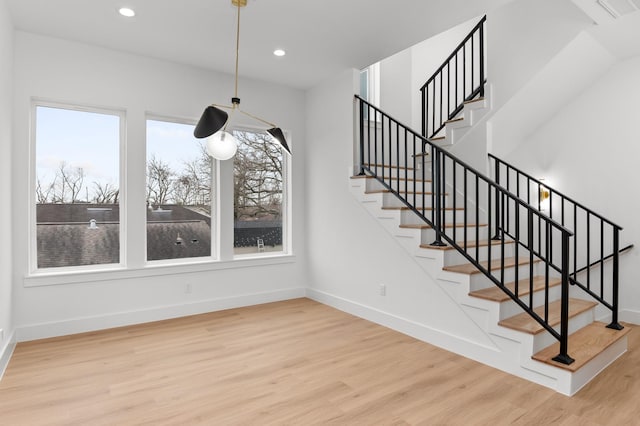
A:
[(222, 145)]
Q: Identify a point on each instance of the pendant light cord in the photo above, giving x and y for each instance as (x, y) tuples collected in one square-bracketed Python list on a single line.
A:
[(237, 48)]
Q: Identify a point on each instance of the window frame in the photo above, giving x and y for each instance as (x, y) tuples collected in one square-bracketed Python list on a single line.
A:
[(287, 249), (122, 185), (215, 216), (129, 267)]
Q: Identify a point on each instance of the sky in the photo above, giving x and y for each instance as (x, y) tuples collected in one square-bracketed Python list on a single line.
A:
[(92, 141)]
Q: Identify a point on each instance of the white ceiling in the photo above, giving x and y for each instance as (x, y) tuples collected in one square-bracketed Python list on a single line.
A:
[(321, 37)]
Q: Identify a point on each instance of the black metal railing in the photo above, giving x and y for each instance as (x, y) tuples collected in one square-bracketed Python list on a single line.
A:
[(459, 79), (596, 239), (453, 199)]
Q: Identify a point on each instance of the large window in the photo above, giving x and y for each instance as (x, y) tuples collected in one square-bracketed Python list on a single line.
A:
[(259, 169), (179, 182), (77, 187)]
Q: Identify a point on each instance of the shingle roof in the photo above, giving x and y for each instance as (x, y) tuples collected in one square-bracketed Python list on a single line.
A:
[(65, 237), (77, 244)]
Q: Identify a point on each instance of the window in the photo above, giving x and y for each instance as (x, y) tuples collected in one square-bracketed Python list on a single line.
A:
[(370, 84), (259, 169), (76, 186), (179, 182)]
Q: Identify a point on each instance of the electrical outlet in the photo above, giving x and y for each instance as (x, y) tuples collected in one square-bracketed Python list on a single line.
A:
[(382, 290), (188, 289)]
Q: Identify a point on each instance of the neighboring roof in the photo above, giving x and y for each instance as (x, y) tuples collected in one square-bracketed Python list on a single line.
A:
[(176, 240), (65, 236), (83, 213), (77, 244)]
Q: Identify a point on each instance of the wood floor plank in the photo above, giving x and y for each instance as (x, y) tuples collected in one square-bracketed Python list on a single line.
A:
[(296, 363)]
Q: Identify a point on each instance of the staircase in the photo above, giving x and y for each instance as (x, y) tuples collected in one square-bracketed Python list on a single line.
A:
[(513, 267), (527, 349)]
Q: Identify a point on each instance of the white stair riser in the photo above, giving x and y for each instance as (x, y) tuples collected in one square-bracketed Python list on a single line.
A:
[(409, 217), (479, 280), (429, 235), (454, 257), (511, 308), (417, 200), (544, 339), (401, 185)]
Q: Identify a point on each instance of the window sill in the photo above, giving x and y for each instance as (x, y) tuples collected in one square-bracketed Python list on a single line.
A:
[(40, 279)]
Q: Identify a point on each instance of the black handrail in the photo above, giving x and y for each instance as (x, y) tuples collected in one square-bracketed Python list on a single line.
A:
[(395, 156), (580, 219), (440, 106)]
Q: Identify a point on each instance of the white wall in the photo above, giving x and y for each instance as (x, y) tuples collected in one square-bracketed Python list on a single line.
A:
[(70, 72), (396, 93), (523, 36), (350, 253), (6, 107), (427, 57), (590, 150), (403, 74)]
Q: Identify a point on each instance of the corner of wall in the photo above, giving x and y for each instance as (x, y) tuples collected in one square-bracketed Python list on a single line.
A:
[(6, 126)]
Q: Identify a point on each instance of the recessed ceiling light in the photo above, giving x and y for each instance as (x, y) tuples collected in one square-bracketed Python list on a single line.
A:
[(125, 11), (279, 52)]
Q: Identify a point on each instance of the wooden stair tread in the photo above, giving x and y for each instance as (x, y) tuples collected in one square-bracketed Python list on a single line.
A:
[(470, 269), (447, 225), (525, 323), (454, 120), (387, 166), (439, 138), (470, 244), (496, 294), (426, 208), (386, 191), (473, 100), (584, 345), (390, 178)]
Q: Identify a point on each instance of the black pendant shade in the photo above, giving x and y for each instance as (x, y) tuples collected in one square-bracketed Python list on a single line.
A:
[(212, 120), (276, 132)]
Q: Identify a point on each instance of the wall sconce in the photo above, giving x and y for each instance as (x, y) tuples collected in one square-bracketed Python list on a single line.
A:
[(543, 197)]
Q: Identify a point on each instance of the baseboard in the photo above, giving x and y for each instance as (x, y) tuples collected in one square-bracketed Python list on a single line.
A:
[(120, 319), (6, 352), (630, 316), (440, 338)]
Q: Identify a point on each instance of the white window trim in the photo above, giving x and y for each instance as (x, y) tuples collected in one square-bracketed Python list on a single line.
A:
[(122, 184), (84, 274), (287, 204), (215, 173)]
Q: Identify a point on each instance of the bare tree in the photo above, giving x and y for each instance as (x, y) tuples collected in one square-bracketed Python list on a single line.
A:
[(257, 177), (183, 190), (73, 180), (105, 193), (197, 173), (159, 181), (45, 192)]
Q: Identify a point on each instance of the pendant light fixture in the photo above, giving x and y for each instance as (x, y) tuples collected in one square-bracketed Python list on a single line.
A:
[(214, 120)]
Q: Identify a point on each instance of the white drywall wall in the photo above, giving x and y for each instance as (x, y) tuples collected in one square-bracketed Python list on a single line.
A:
[(350, 253), (590, 150), (6, 108), (75, 73)]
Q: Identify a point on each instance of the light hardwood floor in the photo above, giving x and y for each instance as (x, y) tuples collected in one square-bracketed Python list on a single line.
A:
[(289, 363)]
